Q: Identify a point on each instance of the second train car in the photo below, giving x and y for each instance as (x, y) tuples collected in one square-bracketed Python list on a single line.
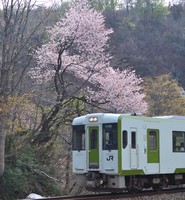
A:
[(117, 152)]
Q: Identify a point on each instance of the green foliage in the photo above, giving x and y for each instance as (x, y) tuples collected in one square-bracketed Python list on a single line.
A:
[(132, 25), (25, 170), (104, 4), (153, 9), (164, 96)]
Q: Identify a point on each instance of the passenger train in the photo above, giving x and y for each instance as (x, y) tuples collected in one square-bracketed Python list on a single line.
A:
[(120, 152)]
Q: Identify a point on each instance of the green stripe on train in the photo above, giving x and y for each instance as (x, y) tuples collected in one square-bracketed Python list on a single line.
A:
[(119, 146), (179, 170), (132, 172)]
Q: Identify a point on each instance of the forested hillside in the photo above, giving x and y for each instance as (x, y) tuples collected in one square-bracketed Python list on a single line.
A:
[(149, 37), (67, 60)]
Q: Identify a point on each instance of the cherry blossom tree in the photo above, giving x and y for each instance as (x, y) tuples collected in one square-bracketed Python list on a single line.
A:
[(76, 60), (120, 90)]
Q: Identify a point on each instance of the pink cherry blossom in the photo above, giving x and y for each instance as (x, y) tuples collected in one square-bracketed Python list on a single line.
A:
[(76, 47), (120, 90)]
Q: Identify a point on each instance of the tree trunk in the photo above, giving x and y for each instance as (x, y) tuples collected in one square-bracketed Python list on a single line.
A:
[(67, 179), (45, 133), (2, 147)]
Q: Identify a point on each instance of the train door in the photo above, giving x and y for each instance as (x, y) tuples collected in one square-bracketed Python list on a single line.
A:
[(153, 149), (133, 150), (93, 158)]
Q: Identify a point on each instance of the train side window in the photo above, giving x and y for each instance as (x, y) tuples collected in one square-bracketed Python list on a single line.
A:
[(153, 140), (125, 139), (178, 141), (78, 139), (94, 139), (110, 136), (133, 135)]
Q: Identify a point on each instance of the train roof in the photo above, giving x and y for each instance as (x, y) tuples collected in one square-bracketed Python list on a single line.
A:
[(104, 116), (171, 117), (113, 117)]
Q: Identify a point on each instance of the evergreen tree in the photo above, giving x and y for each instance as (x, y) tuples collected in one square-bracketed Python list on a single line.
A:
[(164, 96)]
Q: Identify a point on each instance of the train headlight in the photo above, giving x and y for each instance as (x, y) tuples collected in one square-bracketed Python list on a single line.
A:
[(101, 182), (93, 119)]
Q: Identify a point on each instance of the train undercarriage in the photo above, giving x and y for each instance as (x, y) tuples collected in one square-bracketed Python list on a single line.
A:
[(98, 182)]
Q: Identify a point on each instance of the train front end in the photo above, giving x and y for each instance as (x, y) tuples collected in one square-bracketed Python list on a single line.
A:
[(95, 152)]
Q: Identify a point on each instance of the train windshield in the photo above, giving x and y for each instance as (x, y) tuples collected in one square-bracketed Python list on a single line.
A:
[(110, 141), (78, 140)]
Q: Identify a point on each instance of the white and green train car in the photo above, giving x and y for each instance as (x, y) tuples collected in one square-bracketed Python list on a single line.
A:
[(113, 152)]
